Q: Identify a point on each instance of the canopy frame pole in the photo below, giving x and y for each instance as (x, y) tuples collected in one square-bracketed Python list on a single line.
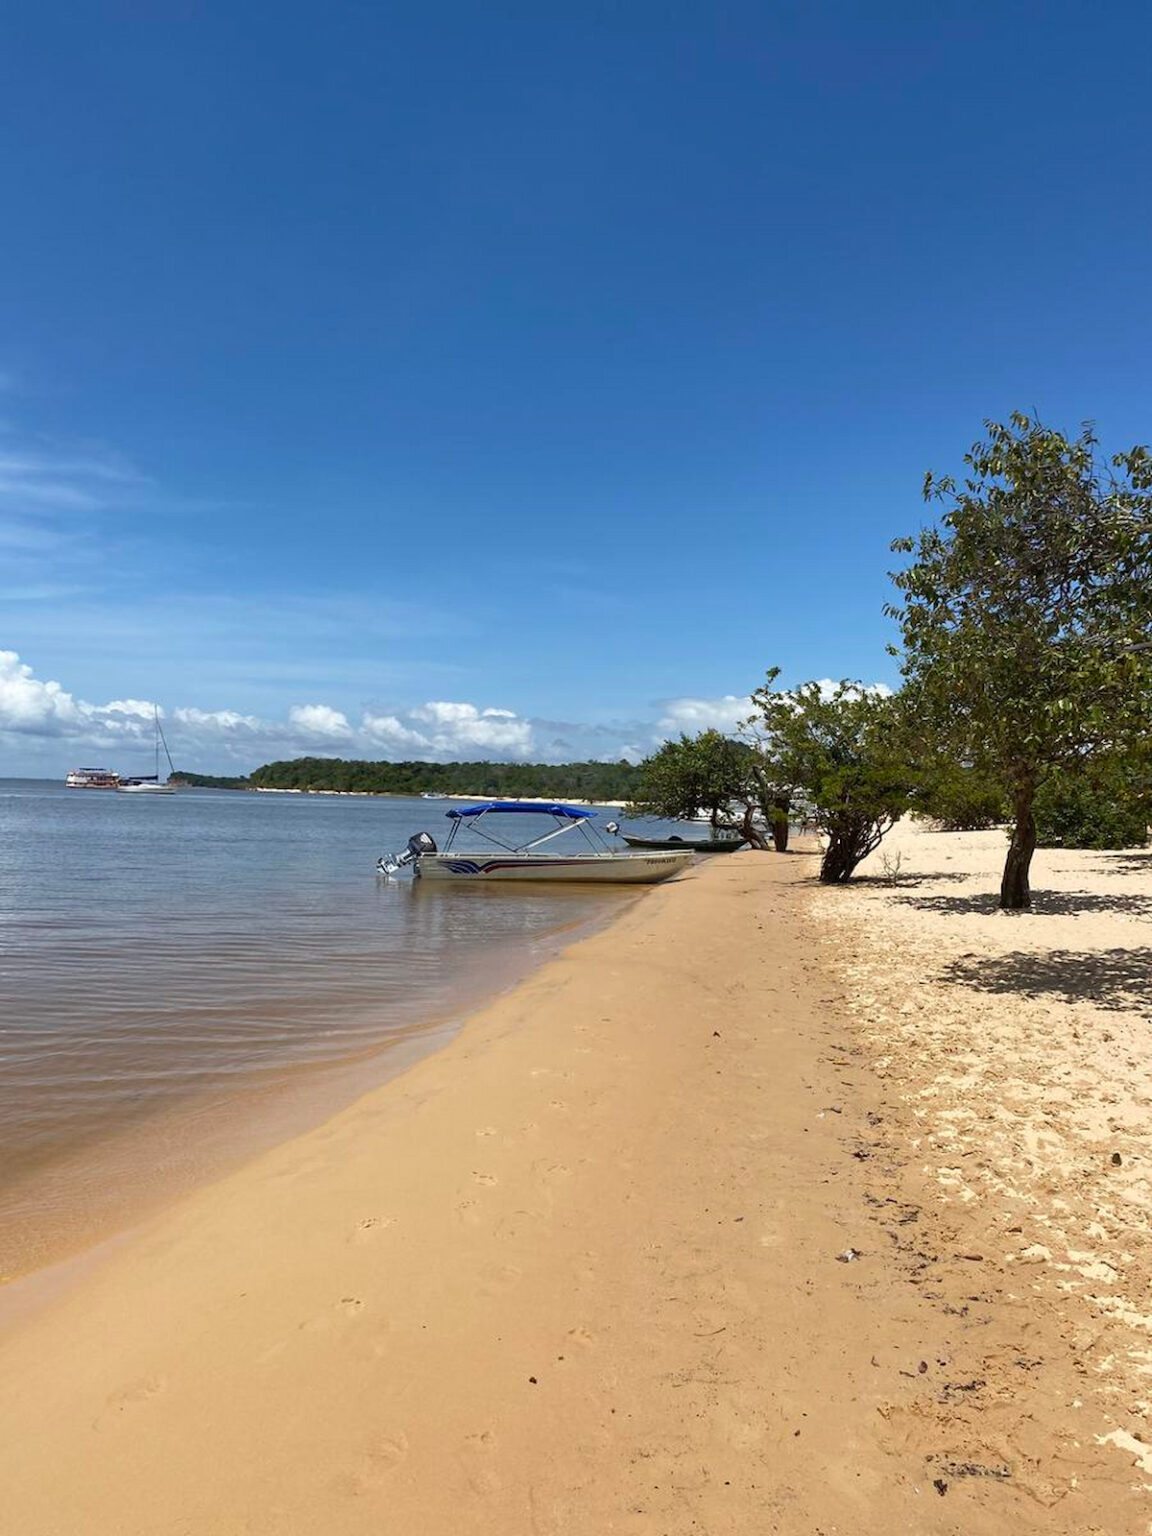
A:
[(565, 826)]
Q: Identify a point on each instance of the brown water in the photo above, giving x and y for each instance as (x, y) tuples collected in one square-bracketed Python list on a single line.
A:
[(184, 979)]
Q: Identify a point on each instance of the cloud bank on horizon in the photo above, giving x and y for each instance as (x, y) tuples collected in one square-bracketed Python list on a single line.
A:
[(38, 715), (39, 718)]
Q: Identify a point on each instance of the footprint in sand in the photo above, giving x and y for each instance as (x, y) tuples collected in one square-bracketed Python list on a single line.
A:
[(468, 1212), (374, 1467), (496, 1278), (485, 1178), (347, 1307), (129, 1397), (371, 1227), (486, 1130), (557, 1104), (475, 1458), (581, 1336)]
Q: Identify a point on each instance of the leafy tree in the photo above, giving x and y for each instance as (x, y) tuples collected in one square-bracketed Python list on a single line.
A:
[(846, 752), (1026, 614), (708, 772), (959, 797), (1108, 805)]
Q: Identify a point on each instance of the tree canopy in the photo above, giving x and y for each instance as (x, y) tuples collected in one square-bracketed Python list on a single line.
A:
[(1026, 613), (846, 752), (707, 772)]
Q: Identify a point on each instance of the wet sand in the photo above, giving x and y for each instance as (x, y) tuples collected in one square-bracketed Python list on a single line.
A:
[(651, 1246)]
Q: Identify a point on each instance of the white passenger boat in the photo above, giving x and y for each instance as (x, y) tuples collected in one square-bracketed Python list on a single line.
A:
[(498, 859), (92, 778)]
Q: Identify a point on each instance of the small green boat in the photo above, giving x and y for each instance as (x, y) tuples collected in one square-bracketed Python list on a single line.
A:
[(697, 844)]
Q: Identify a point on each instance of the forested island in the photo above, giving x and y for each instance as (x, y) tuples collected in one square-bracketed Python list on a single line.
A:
[(208, 780), (578, 781)]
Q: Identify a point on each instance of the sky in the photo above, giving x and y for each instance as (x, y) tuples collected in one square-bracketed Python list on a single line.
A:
[(517, 380)]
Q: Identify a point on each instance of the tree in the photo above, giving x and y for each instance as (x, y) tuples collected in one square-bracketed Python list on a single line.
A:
[(708, 772), (846, 752), (1108, 805), (1026, 614), (958, 797)]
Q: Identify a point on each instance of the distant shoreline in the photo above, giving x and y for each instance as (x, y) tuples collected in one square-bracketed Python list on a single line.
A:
[(389, 794)]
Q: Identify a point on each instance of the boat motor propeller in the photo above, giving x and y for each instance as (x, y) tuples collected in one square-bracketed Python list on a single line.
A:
[(418, 843)]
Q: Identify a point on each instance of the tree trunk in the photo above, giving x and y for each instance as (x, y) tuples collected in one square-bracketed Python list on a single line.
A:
[(840, 859), (750, 832), (780, 828), (1015, 892)]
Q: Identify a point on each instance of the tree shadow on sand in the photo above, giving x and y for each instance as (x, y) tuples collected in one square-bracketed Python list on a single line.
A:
[(1119, 979), (1127, 862), (1044, 903), (908, 882)]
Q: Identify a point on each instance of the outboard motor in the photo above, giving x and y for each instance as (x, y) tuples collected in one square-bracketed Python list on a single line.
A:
[(418, 843)]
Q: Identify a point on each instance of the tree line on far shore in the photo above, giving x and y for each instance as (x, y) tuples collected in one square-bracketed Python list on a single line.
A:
[(1026, 620), (509, 781)]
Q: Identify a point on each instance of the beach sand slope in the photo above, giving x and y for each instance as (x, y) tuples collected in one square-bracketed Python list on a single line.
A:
[(642, 1251)]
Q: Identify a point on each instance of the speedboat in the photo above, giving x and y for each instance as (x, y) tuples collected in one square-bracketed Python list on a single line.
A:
[(502, 859)]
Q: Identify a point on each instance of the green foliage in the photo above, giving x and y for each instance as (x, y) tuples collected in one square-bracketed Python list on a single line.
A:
[(207, 780), (847, 754), (1109, 809), (511, 781), (1026, 613), (960, 798), (707, 772)]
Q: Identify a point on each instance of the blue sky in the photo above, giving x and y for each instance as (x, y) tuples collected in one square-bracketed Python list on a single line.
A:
[(572, 362)]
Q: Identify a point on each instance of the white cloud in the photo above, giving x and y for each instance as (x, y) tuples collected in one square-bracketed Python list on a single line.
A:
[(320, 720), (28, 705), (202, 739), (723, 714), (218, 722), (829, 685), (388, 731), (456, 727)]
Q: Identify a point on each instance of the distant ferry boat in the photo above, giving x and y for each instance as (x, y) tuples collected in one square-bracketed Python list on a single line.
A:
[(92, 778)]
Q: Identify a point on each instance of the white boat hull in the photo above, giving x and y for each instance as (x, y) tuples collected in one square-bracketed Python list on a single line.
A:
[(606, 868), (145, 789)]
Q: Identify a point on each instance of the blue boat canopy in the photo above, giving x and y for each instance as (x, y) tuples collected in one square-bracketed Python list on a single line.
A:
[(534, 807)]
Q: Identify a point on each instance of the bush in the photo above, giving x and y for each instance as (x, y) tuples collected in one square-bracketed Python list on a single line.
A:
[(1074, 811), (960, 799)]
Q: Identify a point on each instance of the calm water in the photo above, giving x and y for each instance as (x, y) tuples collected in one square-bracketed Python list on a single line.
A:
[(173, 969)]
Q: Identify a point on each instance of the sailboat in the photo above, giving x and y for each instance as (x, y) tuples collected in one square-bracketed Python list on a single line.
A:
[(150, 784)]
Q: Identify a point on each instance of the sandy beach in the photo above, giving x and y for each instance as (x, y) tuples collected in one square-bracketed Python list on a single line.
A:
[(728, 1220)]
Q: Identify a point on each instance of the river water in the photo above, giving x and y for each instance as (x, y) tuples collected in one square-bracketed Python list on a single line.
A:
[(184, 978)]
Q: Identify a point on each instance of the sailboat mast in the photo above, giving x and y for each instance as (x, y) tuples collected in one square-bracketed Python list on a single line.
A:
[(160, 738)]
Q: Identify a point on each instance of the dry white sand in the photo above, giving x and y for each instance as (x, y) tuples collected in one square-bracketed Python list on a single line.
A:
[(1021, 1043)]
